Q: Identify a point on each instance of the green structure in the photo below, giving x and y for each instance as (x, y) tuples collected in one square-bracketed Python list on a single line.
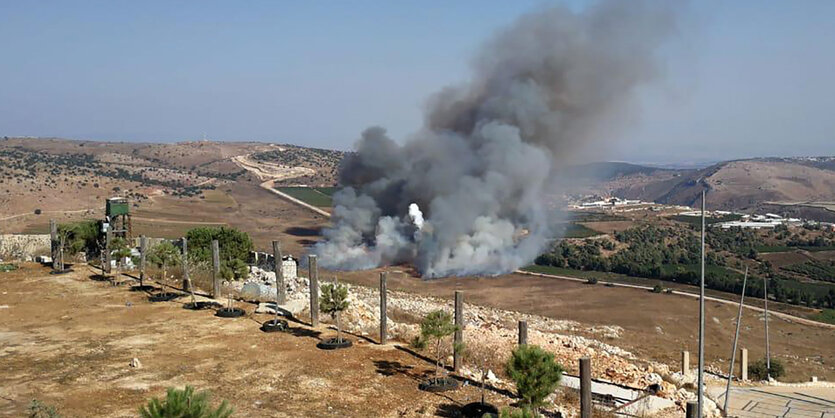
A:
[(117, 206), (117, 213)]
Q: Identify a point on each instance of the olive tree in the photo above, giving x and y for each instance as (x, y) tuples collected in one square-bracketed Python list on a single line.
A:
[(332, 301), (164, 255), (436, 327)]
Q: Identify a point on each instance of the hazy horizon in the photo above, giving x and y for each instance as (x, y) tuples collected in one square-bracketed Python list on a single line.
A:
[(742, 80)]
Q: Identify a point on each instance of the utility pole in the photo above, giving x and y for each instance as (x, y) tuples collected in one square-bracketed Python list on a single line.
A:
[(736, 338), (702, 318), (767, 347)]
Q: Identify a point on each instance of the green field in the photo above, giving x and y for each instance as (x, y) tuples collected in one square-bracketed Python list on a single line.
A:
[(573, 230), (827, 315), (786, 248), (310, 195)]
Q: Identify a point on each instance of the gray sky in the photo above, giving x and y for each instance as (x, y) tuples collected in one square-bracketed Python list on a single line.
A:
[(746, 78)]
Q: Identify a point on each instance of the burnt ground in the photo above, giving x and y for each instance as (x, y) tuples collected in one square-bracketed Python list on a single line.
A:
[(68, 341)]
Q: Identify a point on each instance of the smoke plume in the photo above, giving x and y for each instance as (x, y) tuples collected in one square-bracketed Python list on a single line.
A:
[(464, 195)]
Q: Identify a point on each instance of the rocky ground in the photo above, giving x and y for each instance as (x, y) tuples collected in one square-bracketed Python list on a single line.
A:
[(494, 331)]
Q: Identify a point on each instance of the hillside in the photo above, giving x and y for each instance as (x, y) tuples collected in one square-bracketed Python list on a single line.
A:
[(734, 185)]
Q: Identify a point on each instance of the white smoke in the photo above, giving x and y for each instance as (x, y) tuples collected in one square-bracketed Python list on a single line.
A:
[(553, 82), (416, 215)]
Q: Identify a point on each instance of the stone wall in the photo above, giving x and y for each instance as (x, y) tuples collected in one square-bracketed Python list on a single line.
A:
[(21, 247)]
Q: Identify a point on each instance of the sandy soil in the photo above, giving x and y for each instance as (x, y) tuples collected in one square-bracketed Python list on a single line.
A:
[(76, 355)]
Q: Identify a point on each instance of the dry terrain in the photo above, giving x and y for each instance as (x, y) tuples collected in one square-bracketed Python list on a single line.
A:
[(77, 355), (656, 326)]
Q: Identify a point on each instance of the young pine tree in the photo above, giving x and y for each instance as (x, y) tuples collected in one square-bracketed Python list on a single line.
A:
[(535, 373), (184, 403)]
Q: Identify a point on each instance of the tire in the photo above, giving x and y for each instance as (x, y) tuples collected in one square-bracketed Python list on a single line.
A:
[(164, 297), (64, 271), (442, 384), (230, 313), (333, 344), (478, 410), (274, 325), (143, 288), (199, 306)]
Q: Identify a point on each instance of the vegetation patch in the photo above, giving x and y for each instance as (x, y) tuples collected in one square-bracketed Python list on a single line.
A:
[(814, 269), (826, 315), (575, 230), (311, 196)]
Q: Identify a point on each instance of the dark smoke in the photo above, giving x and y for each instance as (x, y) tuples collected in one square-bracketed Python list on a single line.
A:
[(553, 82)]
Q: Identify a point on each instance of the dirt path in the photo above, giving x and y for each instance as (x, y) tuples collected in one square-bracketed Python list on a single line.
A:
[(46, 212)]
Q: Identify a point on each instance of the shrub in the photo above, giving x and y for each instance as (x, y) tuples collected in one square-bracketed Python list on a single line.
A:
[(164, 255), (184, 403), (233, 244), (234, 269), (37, 212), (81, 236), (332, 301), (38, 409), (760, 371), (517, 413), (591, 280), (657, 288), (535, 373)]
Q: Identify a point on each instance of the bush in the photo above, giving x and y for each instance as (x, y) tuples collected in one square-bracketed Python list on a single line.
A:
[(759, 371), (184, 403), (164, 255), (591, 280), (657, 288), (38, 409), (81, 236), (37, 211), (535, 373), (233, 244), (516, 413)]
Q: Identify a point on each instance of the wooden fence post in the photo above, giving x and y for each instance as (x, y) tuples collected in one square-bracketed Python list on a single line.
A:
[(313, 272), (383, 309), (108, 237), (53, 239), (143, 249), (459, 333), (585, 387), (215, 269), (523, 332), (685, 363), (280, 286)]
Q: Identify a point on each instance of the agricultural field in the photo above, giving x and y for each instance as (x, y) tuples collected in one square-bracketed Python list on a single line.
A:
[(319, 197)]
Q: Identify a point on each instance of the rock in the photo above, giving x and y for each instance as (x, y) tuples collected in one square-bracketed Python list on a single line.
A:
[(491, 377), (135, 363)]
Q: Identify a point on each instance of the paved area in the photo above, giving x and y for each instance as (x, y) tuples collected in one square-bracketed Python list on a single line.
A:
[(800, 402)]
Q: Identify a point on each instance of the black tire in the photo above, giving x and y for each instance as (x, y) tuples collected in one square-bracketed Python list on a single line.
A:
[(441, 384), (143, 288), (64, 271), (199, 306), (275, 325), (333, 344), (164, 297), (230, 312), (478, 410)]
